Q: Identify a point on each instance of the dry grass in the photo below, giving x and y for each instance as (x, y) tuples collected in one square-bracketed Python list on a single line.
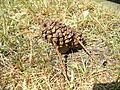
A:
[(25, 59)]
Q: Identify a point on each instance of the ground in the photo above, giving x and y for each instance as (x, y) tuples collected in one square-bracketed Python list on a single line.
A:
[(28, 62)]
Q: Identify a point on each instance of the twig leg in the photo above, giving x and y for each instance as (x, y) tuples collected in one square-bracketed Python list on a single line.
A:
[(63, 66), (86, 50), (66, 56)]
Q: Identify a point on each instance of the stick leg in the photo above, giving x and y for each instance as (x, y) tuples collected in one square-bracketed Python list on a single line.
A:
[(86, 50), (63, 66), (66, 56)]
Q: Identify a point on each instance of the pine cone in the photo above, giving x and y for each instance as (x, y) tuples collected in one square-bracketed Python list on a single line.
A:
[(63, 36)]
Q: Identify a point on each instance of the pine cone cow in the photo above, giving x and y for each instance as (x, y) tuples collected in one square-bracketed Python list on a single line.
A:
[(65, 39)]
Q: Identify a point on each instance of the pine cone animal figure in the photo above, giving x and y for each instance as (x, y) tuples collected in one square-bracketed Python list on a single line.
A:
[(63, 36), (65, 39)]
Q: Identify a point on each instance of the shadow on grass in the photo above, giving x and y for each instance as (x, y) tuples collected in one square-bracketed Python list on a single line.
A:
[(116, 1), (107, 86)]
